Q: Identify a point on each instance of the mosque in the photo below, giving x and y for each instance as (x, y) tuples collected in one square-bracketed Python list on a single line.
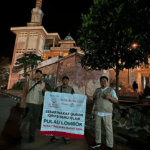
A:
[(61, 57)]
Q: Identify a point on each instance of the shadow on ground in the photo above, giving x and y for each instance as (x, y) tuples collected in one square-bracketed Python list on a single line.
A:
[(10, 136), (136, 143)]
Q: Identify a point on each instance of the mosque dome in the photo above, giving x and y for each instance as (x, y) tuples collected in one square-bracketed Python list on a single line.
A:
[(69, 37)]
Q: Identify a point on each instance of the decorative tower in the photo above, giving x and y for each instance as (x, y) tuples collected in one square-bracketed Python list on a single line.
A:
[(37, 15), (30, 38)]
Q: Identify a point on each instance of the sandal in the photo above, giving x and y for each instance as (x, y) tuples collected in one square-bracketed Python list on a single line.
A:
[(67, 141), (53, 139)]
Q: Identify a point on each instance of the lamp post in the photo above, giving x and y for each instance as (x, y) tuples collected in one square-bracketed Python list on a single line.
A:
[(128, 76), (134, 46)]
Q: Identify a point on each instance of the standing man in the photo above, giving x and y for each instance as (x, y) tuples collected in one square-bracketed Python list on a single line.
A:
[(33, 100), (63, 89), (135, 86), (104, 98), (146, 90)]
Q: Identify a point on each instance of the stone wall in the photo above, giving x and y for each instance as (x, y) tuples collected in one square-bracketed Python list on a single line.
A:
[(133, 118), (83, 82)]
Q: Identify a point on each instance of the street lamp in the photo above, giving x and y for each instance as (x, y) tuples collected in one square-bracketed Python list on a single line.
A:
[(134, 46)]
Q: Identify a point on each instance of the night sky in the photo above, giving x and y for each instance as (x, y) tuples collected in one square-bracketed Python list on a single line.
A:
[(59, 16)]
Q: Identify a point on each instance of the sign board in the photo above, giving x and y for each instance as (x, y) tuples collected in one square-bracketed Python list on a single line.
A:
[(63, 115)]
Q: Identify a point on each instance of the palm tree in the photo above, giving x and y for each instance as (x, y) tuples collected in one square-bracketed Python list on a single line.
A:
[(23, 62), (28, 60), (33, 59)]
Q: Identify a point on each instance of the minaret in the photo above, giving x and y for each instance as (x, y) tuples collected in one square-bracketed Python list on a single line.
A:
[(37, 15), (38, 4)]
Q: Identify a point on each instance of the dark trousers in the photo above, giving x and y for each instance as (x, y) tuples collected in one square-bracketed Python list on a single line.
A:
[(32, 117)]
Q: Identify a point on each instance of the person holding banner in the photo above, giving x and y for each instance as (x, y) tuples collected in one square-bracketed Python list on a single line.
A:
[(63, 89), (104, 98), (33, 97)]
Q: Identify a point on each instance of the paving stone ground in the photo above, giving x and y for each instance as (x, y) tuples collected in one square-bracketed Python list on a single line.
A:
[(43, 142)]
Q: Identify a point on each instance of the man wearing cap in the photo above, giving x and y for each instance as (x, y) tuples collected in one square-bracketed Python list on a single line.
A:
[(33, 100), (63, 89), (104, 98)]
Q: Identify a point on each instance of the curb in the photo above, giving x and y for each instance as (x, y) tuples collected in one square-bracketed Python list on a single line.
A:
[(12, 96)]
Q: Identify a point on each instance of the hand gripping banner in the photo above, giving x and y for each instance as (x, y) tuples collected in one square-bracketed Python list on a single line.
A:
[(64, 115)]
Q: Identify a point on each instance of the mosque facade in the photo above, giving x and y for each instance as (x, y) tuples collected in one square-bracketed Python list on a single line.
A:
[(57, 59), (55, 52)]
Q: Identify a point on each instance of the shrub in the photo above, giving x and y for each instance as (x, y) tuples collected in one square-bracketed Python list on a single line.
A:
[(18, 86), (49, 88)]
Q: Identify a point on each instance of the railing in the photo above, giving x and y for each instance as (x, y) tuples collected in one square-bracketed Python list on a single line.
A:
[(46, 50), (61, 48)]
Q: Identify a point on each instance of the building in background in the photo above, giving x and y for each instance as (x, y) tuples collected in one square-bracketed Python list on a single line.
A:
[(34, 38), (140, 74), (62, 57)]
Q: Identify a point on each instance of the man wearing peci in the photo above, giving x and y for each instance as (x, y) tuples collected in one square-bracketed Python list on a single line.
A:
[(104, 98), (63, 89)]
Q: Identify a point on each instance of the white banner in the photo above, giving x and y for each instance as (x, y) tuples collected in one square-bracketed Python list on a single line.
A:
[(64, 115)]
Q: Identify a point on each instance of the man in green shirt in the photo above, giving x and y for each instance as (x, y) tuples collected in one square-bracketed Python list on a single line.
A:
[(63, 89)]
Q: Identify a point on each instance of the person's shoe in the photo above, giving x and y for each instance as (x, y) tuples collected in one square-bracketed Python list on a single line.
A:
[(53, 139), (31, 139), (67, 141), (94, 145), (109, 148)]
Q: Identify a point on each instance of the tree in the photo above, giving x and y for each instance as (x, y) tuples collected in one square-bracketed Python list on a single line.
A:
[(23, 62), (26, 61), (33, 59), (108, 32), (4, 69)]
